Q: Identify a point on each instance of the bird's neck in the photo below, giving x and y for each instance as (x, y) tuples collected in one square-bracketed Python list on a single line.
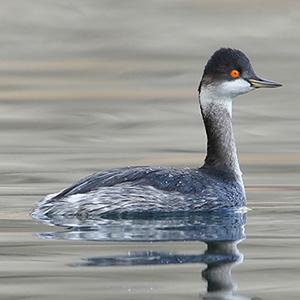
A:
[(216, 111)]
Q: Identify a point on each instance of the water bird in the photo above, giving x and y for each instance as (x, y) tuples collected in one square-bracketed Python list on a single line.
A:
[(217, 184)]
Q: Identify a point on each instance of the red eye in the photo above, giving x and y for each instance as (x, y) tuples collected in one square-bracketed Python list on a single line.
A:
[(235, 73)]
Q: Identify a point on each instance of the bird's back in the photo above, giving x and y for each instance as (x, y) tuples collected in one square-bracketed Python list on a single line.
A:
[(144, 190)]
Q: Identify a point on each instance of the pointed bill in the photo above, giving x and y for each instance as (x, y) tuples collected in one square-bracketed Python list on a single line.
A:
[(262, 83)]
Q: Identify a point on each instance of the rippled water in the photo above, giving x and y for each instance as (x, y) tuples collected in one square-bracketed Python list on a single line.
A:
[(90, 85)]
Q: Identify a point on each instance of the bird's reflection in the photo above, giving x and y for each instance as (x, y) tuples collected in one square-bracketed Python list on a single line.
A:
[(206, 227), (221, 231)]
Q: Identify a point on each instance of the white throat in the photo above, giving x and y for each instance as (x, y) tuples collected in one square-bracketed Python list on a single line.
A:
[(209, 97), (223, 94)]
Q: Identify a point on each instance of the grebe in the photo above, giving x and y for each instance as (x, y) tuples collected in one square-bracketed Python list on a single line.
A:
[(217, 184)]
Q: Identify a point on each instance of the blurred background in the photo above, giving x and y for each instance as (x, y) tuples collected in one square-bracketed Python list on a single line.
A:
[(97, 84), (90, 85)]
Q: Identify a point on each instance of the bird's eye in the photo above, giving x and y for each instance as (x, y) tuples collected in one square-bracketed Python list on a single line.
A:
[(235, 73)]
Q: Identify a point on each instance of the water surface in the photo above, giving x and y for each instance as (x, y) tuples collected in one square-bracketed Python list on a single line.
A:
[(91, 85)]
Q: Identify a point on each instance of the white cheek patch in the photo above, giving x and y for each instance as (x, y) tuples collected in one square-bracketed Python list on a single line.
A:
[(223, 94), (235, 87)]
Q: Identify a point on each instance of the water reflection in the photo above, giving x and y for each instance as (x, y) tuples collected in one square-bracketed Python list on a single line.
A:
[(221, 231), (220, 258), (206, 227)]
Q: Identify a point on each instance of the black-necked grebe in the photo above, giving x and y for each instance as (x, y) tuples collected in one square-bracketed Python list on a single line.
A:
[(216, 185)]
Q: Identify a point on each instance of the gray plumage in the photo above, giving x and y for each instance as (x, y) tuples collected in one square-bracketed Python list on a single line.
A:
[(216, 185), (144, 189)]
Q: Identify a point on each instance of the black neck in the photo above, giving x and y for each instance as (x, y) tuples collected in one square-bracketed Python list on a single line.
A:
[(221, 149)]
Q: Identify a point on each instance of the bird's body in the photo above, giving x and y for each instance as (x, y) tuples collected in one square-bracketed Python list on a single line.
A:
[(146, 189), (216, 185)]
